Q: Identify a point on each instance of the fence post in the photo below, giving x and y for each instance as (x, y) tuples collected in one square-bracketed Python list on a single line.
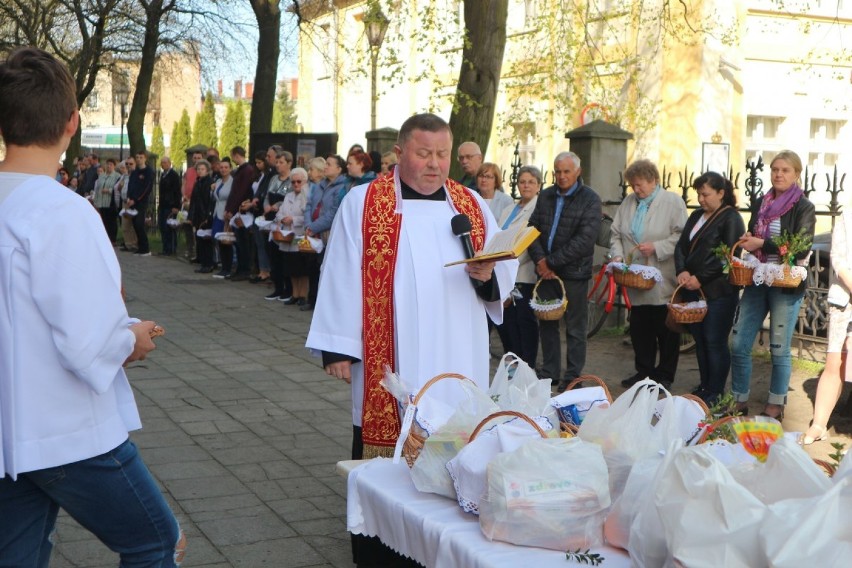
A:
[(753, 184), (513, 178)]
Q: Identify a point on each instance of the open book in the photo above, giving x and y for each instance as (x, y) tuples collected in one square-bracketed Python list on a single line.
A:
[(505, 245)]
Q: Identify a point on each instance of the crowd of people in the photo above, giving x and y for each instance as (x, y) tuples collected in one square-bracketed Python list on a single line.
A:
[(264, 221)]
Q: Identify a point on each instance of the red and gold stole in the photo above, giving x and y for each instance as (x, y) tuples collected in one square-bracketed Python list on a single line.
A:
[(381, 227)]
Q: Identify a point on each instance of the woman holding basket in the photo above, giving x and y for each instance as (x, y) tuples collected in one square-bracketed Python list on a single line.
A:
[(645, 230), (783, 210), (717, 222)]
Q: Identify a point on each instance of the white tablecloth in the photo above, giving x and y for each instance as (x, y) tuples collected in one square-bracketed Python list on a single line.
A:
[(433, 530)]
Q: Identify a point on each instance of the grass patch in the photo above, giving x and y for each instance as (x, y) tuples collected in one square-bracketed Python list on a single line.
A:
[(613, 331)]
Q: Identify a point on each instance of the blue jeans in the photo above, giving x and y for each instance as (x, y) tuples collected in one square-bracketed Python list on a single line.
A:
[(783, 310), (711, 343), (113, 495), (168, 234)]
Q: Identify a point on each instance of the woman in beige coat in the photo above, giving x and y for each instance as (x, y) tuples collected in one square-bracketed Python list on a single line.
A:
[(648, 224), (519, 330)]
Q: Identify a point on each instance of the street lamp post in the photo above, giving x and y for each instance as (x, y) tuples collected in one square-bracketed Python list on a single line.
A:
[(122, 93), (376, 24)]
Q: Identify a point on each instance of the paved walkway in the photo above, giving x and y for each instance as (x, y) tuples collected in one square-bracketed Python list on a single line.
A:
[(243, 429)]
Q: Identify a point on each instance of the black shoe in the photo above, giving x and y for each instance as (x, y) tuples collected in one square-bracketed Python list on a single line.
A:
[(301, 302), (239, 277), (306, 308), (665, 384), (272, 297), (204, 270), (632, 380), (222, 274), (563, 384), (290, 301)]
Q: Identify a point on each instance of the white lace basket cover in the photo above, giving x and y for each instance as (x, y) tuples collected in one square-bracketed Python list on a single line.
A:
[(646, 272)]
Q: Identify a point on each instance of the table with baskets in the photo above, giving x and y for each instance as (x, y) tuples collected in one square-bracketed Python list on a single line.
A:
[(433, 530)]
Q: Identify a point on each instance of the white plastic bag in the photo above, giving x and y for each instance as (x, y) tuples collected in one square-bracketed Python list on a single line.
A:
[(429, 472), (789, 473), (708, 518), (467, 469), (573, 405), (647, 544), (630, 429), (515, 386), (810, 532), (548, 493), (626, 508)]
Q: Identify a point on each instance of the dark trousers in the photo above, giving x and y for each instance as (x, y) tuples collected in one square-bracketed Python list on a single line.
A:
[(314, 263), (711, 342), (109, 217), (167, 234), (283, 286), (519, 330), (206, 253), (244, 246), (226, 257), (139, 228), (369, 551), (576, 320), (650, 336)]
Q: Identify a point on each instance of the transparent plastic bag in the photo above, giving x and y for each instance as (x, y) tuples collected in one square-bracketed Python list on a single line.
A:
[(549, 493), (515, 386)]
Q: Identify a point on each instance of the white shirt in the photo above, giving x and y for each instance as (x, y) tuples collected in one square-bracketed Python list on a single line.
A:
[(64, 332), (439, 322)]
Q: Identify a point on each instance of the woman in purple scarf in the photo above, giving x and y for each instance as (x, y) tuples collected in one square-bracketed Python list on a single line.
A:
[(783, 209)]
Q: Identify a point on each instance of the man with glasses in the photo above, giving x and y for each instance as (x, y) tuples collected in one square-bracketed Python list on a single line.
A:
[(470, 159)]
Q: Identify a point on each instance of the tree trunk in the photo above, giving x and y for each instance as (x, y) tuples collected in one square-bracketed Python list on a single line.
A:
[(482, 59), (154, 11), (268, 15)]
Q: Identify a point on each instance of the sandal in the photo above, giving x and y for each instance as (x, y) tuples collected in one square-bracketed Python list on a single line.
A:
[(741, 409), (806, 439)]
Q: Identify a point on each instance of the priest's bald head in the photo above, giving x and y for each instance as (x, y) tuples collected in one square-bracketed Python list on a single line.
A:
[(424, 149)]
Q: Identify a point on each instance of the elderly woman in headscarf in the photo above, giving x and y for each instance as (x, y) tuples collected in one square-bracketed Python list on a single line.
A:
[(645, 230)]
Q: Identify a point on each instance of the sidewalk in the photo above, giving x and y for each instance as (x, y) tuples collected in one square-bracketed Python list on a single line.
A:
[(243, 429)]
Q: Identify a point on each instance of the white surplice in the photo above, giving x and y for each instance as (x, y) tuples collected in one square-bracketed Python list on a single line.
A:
[(440, 323)]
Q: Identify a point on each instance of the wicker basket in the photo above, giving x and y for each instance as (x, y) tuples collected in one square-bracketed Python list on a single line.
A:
[(697, 400), (280, 237), (689, 315), (417, 436), (572, 429), (554, 314), (631, 279), (739, 275), (491, 417), (305, 245), (789, 281)]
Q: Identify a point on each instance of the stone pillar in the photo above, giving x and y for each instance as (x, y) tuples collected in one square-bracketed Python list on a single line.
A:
[(602, 148), (381, 140)]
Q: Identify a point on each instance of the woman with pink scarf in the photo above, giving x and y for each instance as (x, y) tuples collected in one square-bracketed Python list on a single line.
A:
[(784, 209)]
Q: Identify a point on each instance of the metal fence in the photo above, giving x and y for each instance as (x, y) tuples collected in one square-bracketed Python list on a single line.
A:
[(812, 329)]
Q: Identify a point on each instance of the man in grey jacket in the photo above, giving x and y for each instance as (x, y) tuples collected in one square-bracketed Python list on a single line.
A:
[(568, 214)]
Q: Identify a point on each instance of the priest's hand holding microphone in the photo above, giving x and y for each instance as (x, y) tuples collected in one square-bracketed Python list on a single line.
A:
[(479, 272)]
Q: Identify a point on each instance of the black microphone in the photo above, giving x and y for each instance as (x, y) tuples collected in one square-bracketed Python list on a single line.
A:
[(461, 228)]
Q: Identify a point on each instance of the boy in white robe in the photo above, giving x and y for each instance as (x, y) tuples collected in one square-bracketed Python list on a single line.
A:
[(66, 406)]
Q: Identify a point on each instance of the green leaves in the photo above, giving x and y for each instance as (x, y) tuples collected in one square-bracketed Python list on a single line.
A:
[(588, 558), (791, 244)]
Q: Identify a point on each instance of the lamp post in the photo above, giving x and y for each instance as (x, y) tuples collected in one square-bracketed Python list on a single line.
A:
[(376, 24), (122, 93)]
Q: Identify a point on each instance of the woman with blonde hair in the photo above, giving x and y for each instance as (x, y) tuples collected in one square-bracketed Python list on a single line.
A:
[(783, 210)]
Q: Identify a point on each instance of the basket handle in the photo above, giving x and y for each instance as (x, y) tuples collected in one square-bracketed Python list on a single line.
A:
[(490, 417), (592, 378), (698, 401), (629, 257), (540, 280), (731, 254), (700, 291), (713, 426), (434, 380)]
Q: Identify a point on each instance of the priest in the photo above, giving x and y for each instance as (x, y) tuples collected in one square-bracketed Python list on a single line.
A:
[(385, 297)]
